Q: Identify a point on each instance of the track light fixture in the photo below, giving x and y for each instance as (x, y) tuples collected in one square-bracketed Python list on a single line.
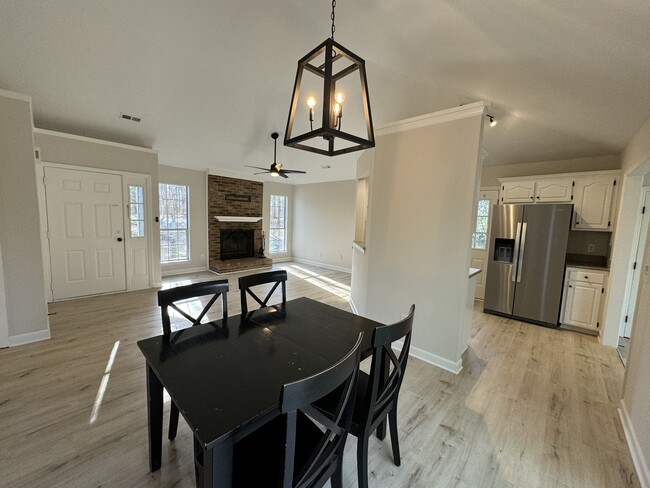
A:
[(492, 121)]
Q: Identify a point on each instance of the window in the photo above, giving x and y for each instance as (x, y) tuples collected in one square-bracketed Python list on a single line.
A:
[(278, 225), (136, 210), (174, 222), (479, 237)]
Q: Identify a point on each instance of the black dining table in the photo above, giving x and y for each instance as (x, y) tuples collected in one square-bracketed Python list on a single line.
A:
[(225, 376)]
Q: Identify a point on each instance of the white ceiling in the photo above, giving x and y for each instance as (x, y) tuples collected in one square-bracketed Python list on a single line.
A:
[(212, 79)]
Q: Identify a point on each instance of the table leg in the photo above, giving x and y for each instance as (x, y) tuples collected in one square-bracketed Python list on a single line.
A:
[(155, 418), (217, 469)]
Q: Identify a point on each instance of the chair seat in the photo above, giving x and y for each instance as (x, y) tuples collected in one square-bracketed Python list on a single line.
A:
[(259, 457)]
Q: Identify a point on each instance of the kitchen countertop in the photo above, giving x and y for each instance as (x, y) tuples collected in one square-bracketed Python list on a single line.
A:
[(584, 266)]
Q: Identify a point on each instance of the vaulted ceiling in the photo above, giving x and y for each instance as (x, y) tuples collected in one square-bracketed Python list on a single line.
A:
[(212, 79)]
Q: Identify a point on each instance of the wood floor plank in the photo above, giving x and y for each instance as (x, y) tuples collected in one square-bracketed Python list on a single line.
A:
[(533, 407)]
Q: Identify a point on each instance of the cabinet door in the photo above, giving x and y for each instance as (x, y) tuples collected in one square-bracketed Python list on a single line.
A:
[(518, 192), (554, 191), (582, 305), (593, 203)]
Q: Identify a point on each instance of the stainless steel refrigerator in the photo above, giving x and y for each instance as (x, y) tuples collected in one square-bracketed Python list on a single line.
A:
[(526, 258)]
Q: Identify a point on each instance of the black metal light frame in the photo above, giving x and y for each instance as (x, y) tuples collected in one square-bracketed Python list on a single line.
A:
[(329, 131)]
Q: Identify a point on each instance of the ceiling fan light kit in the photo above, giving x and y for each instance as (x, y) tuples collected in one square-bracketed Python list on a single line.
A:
[(330, 71), (276, 169)]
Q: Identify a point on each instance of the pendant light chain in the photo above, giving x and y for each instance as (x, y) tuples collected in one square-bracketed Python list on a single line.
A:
[(333, 17)]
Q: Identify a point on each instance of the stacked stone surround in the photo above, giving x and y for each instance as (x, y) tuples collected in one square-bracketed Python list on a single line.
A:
[(218, 188)]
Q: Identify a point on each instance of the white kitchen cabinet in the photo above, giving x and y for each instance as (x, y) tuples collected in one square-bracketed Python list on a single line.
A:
[(518, 192), (554, 191), (583, 292), (593, 203)]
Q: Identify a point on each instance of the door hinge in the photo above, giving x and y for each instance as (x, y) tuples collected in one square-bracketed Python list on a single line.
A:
[(597, 324), (634, 266), (643, 210), (625, 319), (602, 290), (573, 183), (614, 182), (609, 223)]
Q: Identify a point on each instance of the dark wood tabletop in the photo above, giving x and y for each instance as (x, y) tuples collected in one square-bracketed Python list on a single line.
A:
[(225, 377)]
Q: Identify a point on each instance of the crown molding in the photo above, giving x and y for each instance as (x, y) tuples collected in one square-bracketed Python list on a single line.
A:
[(75, 137)]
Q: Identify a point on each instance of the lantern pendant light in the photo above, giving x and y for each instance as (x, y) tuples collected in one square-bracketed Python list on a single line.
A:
[(336, 76)]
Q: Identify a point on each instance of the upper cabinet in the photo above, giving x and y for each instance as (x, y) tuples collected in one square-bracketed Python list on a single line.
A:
[(517, 192), (593, 203), (593, 195)]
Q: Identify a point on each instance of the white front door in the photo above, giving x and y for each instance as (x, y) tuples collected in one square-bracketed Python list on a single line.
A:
[(481, 237), (86, 232)]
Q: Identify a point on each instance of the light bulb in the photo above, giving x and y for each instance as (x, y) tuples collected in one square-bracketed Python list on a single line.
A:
[(311, 102), (274, 174), (493, 123), (337, 108), (339, 97)]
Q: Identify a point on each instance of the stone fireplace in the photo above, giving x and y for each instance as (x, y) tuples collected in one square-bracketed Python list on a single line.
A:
[(235, 224)]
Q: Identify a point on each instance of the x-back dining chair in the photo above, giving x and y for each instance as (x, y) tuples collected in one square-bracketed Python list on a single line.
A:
[(279, 277), (171, 297), (377, 393), (291, 451)]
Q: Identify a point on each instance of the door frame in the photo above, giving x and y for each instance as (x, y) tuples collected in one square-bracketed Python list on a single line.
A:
[(633, 278), (42, 209)]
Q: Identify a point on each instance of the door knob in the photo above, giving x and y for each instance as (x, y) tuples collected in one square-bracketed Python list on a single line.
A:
[(119, 239)]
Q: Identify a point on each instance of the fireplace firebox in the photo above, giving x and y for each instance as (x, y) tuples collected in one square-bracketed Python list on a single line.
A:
[(237, 244)]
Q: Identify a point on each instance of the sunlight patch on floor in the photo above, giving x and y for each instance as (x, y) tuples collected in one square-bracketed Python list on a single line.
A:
[(103, 384), (323, 282)]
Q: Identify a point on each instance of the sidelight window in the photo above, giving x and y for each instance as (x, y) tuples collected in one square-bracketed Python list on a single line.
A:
[(136, 210), (174, 222)]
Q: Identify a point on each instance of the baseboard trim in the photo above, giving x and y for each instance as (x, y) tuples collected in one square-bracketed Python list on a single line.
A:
[(354, 308), (28, 338), (640, 462), (323, 265), (175, 272), (434, 359)]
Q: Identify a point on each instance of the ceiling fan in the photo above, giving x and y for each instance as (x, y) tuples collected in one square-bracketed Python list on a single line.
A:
[(275, 169)]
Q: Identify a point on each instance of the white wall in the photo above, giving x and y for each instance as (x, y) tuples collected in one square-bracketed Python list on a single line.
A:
[(636, 389), (423, 182), (272, 188), (23, 293), (491, 174), (197, 183), (57, 147), (323, 225)]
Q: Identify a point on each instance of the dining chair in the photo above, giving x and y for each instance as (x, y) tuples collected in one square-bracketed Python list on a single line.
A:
[(279, 277), (169, 299), (377, 393), (303, 447)]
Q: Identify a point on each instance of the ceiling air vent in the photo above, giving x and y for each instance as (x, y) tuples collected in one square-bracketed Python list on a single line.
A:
[(132, 118)]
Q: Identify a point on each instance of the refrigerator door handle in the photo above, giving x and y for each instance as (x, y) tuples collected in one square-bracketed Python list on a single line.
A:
[(515, 258), (520, 255)]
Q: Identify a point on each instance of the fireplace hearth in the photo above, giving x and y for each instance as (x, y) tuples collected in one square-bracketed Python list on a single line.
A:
[(237, 244)]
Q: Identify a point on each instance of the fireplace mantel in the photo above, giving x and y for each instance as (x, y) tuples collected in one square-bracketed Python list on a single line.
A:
[(230, 218)]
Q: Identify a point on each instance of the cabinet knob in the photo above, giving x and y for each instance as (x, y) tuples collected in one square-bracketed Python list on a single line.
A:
[(586, 277), (531, 198)]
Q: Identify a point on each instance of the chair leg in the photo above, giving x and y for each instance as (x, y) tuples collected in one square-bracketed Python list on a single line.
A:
[(173, 422), (336, 480), (362, 459), (392, 424)]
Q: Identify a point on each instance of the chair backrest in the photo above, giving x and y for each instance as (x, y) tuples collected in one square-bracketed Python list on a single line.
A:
[(383, 392), (246, 282), (298, 397), (168, 298)]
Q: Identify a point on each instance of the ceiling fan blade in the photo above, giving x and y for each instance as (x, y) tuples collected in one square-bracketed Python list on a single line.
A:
[(294, 171), (256, 167), (283, 175)]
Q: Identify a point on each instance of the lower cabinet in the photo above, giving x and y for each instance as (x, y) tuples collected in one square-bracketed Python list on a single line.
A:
[(584, 291)]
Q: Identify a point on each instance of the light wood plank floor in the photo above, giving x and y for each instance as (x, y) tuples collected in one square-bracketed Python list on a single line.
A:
[(532, 407)]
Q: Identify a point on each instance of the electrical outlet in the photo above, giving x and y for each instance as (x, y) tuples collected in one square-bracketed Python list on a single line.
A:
[(591, 247)]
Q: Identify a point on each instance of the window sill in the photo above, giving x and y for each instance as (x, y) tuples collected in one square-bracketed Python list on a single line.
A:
[(359, 246)]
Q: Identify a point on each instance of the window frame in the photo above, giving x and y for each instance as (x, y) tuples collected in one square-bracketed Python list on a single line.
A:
[(284, 228), (180, 258), (476, 225)]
